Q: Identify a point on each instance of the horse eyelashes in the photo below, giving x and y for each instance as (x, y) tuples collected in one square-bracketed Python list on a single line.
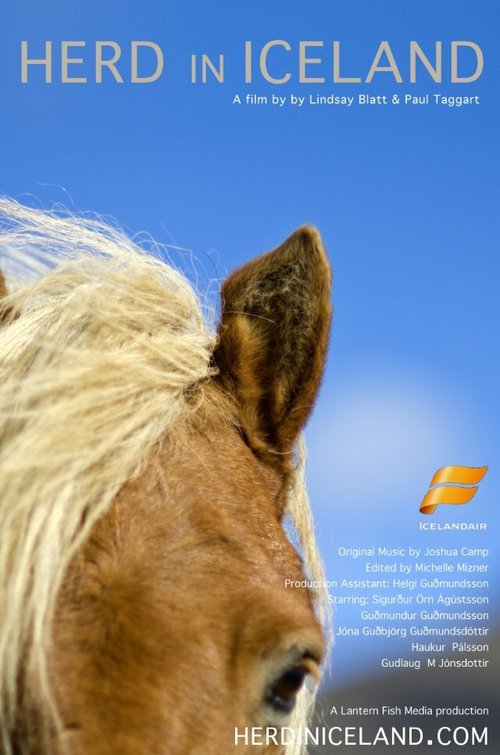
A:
[(283, 694)]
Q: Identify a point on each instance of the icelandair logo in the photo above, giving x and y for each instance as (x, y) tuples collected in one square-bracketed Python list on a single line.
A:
[(452, 485)]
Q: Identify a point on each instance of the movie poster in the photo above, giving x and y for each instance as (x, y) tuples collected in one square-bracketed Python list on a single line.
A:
[(218, 129)]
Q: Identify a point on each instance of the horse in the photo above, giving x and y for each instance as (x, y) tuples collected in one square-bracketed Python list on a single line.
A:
[(158, 569)]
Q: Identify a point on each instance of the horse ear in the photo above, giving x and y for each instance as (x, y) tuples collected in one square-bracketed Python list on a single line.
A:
[(273, 339), (4, 311)]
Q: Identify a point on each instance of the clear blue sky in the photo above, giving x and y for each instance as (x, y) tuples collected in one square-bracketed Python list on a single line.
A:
[(407, 200)]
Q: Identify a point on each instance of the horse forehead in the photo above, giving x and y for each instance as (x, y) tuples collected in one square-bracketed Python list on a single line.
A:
[(221, 483), (209, 497)]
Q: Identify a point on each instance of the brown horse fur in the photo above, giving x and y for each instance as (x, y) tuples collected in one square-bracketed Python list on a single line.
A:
[(276, 318), (4, 311), (174, 621)]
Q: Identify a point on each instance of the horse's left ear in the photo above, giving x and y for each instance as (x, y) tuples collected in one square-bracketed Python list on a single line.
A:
[(273, 339)]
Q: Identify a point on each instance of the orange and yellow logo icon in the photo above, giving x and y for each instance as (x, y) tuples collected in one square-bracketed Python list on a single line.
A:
[(452, 485)]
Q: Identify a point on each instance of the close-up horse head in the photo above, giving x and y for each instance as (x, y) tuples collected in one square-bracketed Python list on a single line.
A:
[(156, 543)]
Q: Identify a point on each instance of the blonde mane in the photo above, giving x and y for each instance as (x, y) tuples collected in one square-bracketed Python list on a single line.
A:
[(101, 360)]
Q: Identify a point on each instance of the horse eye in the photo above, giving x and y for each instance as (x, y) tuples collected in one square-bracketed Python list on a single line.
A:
[(282, 695)]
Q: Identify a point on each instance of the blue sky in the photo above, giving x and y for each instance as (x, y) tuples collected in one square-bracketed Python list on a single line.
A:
[(407, 200)]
